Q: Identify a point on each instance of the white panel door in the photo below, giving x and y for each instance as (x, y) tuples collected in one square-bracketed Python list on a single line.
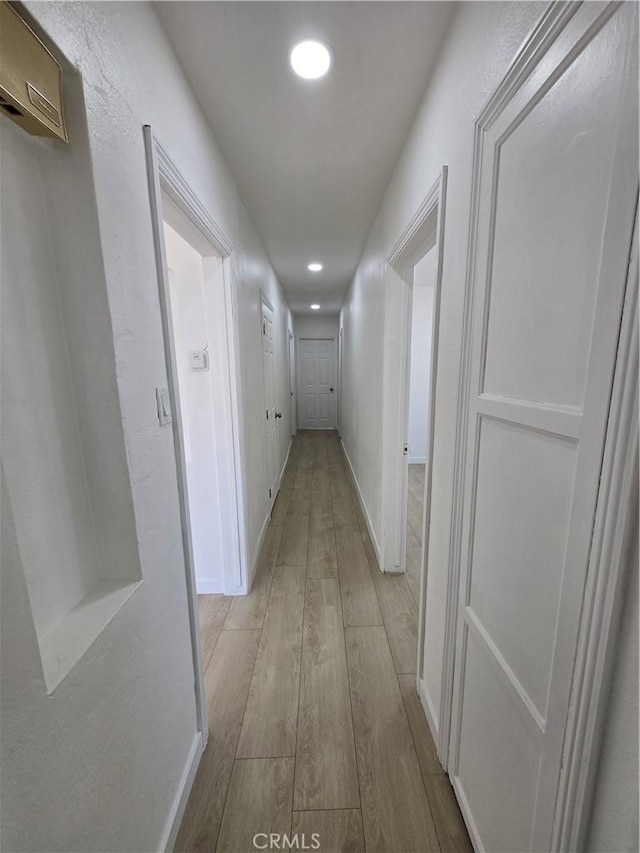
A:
[(317, 393), (271, 415), (558, 177)]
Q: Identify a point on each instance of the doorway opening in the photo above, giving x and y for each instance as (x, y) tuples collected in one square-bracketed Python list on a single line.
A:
[(417, 260), (270, 401), (418, 427), (195, 288), (200, 360), (200, 403)]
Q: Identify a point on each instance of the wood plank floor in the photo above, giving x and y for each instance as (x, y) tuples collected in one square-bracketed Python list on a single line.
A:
[(315, 726), (415, 507)]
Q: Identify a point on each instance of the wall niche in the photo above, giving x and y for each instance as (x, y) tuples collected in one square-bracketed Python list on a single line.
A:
[(63, 448)]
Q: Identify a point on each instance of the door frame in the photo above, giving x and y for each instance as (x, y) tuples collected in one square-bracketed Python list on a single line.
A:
[(339, 380), (420, 236), (616, 510), (291, 347), (417, 239), (616, 499), (336, 390), (265, 301), (164, 177)]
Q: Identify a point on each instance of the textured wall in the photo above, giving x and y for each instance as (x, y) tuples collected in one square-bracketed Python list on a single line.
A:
[(98, 765)]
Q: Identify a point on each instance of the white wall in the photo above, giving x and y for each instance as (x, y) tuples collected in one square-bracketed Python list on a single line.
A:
[(98, 765), (614, 821), (316, 326), (43, 457), (254, 273), (63, 447), (420, 373), (482, 40)]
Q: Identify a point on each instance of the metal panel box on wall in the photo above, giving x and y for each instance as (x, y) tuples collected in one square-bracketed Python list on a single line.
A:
[(30, 78)]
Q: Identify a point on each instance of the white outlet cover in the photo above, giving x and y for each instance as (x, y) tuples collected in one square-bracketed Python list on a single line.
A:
[(198, 359)]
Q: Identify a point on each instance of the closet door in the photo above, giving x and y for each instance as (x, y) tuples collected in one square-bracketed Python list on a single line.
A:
[(557, 185)]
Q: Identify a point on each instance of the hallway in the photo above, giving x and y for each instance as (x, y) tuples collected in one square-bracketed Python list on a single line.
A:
[(406, 235), (315, 724)]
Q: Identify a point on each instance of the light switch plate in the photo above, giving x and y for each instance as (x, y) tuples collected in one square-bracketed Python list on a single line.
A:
[(163, 403)]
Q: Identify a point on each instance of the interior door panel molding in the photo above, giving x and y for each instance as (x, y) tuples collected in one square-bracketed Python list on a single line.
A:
[(561, 421), (505, 674), (542, 36), (265, 300), (577, 25)]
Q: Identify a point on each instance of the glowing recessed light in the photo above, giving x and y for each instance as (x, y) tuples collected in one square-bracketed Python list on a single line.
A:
[(310, 59), (315, 307), (314, 267)]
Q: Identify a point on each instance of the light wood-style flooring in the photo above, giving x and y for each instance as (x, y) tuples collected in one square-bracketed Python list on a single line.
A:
[(415, 524), (315, 725)]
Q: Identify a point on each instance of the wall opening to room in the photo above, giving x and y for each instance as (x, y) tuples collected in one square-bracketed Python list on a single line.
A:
[(196, 310), (421, 357)]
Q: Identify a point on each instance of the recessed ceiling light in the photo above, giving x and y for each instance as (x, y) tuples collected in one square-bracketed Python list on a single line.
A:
[(310, 59), (314, 267), (315, 307)]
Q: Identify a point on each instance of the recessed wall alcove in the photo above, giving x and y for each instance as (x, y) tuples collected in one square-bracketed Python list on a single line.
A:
[(63, 448)]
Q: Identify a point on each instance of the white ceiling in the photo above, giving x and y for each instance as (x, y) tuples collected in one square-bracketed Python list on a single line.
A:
[(311, 158)]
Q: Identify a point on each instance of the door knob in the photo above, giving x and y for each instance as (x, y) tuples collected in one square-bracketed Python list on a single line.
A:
[(331, 389), (278, 414)]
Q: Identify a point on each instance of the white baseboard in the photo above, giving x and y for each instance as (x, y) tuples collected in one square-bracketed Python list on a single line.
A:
[(429, 710), (463, 803), (184, 789), (265, 524), (209, 586), (365, 511), (286, 459), (417, 460), (254, 565)]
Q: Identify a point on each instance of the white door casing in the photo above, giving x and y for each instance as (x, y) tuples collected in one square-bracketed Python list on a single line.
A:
[(340, 377), (317, 383), (292, 381), (270, 400), (164, 177), (556, 172), (423, 233)]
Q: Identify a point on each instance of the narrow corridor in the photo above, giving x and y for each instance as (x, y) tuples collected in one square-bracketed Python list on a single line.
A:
[(315, 723)]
